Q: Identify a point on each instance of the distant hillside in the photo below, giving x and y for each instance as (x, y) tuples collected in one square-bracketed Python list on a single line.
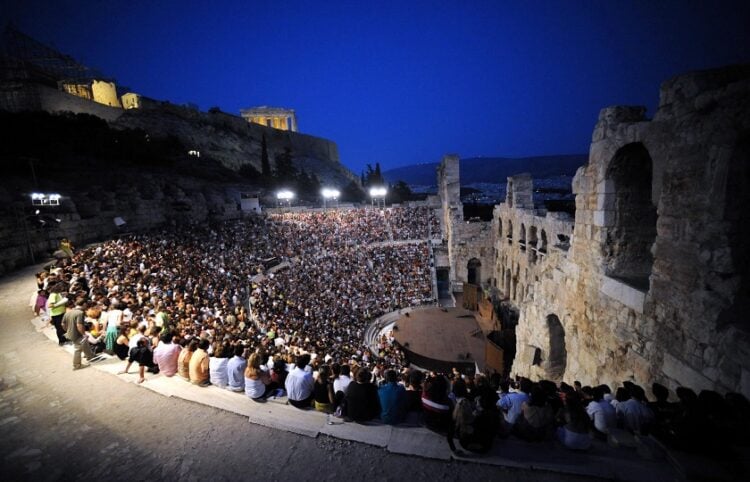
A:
[(491, 169)]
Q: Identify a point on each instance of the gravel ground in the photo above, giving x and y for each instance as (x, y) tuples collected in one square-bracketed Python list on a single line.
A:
[(57, 424)]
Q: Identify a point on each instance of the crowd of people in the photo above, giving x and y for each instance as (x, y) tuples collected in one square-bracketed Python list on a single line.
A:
[(277, 305)]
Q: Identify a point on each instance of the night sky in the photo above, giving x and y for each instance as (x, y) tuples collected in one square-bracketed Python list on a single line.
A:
[(402, 82)]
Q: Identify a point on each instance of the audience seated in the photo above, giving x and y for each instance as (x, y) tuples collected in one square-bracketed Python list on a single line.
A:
[(192, 286)]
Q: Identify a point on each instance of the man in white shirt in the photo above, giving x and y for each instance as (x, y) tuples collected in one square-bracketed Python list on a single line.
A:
[(601, 412), (299, 384), (512, 403), (342, 380)]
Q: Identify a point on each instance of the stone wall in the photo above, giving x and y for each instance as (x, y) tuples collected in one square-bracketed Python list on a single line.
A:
[(649, 282)]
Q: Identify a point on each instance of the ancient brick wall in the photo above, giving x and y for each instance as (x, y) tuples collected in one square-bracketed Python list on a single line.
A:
[(650, 281)]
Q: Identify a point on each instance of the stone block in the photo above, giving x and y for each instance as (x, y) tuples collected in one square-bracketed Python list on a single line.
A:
[(624, 293), (605, 201), (604, 218), (685, 375)]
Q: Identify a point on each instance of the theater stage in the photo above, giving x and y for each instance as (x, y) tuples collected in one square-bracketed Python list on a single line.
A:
[(441, 338)]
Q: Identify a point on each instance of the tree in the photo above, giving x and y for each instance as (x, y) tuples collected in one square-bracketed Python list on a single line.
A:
[(352, 193), (400, 192), (265, 165), (286, 172)]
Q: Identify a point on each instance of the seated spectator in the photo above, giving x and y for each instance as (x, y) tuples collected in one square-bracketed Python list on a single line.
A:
[(166, 355), (663, 410), (257, 380), (299, 384), (511, 405), (278, 376), (601, 413), (436, 406), (414, 391), (198, 366), (323, 390), (217, 365), (141, 354), (473, 423), (536, 418), (183, 361), (121, 345), (392, 397), (341, 379), (236, 370), (574, 434), (362, 403), (633, 413)]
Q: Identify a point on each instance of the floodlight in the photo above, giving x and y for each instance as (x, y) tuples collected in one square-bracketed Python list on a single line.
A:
[(378, 191), (284, 195), (330, 193)]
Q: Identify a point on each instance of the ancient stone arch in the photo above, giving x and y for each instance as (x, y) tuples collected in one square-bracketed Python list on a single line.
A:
[(474, 271), (522, 238), (737, 216), (630, 216), (556, 359)]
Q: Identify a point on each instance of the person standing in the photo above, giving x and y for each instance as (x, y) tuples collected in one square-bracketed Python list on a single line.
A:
[(73, 320), (56, 304)]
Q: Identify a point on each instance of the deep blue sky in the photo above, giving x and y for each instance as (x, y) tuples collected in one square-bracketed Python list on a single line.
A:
[(402, 82)]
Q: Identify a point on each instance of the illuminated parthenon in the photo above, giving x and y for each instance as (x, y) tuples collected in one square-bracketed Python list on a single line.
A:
[(276, 117)]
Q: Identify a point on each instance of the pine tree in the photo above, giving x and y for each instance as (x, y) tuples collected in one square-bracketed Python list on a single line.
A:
[(377, 175), (265, 165)]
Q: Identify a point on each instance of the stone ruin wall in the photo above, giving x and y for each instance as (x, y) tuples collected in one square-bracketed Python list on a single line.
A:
[(654, 281), (465, 241)]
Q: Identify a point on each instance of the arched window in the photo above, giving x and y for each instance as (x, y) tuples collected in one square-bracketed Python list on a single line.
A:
[(500, 229), (543, 243), (557, 358), (522, 238), (510, 232), (632, 230), (532, 244)]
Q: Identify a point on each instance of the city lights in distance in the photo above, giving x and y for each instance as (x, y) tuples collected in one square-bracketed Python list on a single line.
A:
[(284, 195), (378, 192), (330, 193)]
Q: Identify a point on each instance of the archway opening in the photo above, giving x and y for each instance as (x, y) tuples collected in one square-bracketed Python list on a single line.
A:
[(532, 244), (557, 358), (474, 267), (633, 229)]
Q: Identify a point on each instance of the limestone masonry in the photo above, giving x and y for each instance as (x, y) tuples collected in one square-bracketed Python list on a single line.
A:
[(649, 281)]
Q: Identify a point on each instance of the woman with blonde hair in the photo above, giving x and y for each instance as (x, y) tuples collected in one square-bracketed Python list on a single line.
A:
[(257, 380)]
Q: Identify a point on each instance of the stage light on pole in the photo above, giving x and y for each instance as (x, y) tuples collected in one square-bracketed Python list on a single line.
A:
[(285, 195), (377, 193), (329, 194)]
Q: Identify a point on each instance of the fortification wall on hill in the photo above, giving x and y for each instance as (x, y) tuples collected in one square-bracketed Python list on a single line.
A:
[(227, 138), (650, 282)]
